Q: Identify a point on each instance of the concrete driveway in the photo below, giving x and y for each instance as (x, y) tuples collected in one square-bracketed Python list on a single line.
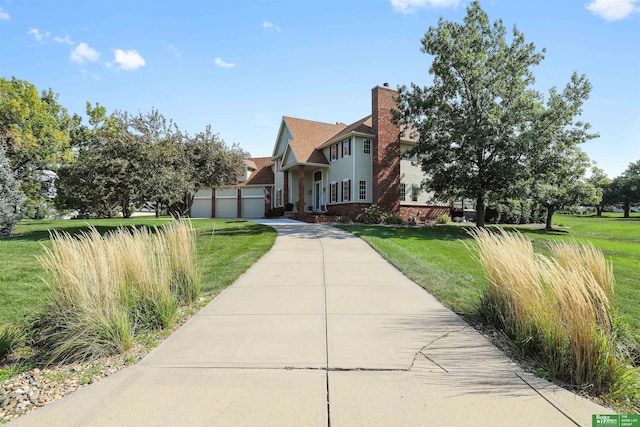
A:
[(321, 331)]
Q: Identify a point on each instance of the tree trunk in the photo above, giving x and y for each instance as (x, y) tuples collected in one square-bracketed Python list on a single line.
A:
[(599, 210), (549, 225), (157, 209), (627, 207), (479, 212)]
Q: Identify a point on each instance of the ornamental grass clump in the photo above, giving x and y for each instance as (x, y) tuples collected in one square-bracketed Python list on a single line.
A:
[(555, 308), (104, 289)]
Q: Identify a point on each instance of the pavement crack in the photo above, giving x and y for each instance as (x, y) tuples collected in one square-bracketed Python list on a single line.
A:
[(420, 352), (548, 400)]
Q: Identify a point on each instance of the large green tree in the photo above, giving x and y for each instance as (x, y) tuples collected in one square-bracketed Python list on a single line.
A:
[(109, 169), (35, 130), (600, 182), (625, 189), (563, 182), (128, 161), (211, 163), (478, 125)]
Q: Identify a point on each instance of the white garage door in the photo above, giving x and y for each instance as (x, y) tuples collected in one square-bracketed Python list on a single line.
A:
[(201, 207), (252, 202), (227, 203), (252, 208)]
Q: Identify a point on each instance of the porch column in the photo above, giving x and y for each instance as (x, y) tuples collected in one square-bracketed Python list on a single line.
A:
[(285, 195), (301, 189)]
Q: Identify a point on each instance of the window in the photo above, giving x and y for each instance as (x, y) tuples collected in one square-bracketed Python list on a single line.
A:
[(414, 192), (334, 152), (362, 190), (346, 190), (317, 176), (346, 148), (279, 197), (403, 191), (366, 148), (333, 190)]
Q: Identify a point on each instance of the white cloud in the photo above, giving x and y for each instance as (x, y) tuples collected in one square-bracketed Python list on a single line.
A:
[(4, 15), (176, 52), (83, 53), (65, 40), (270, 26), (613, 10), (220, 63), (409, 6), (38, 35), (129, 59)]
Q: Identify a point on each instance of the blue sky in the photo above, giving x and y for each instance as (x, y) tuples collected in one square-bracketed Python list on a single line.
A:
[(241, 65)]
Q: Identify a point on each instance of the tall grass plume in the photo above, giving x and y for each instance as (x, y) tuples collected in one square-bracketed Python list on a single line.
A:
[(105, 288), (556, 308)]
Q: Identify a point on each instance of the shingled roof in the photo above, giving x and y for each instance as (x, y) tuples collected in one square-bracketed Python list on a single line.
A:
[(361, 126), (262, 174), (307, 135)]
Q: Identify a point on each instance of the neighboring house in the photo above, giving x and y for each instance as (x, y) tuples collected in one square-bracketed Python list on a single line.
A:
[(334, 168)]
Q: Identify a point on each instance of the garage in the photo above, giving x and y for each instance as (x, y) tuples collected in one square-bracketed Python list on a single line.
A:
[(226, 203), (252, 203), (201, 207), (248, 195)]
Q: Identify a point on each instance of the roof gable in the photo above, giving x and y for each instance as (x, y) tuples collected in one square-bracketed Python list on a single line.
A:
[(262, 173), (362, 126), (307, 135)]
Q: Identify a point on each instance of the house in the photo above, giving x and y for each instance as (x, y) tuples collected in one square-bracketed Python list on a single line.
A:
[(335, 168)]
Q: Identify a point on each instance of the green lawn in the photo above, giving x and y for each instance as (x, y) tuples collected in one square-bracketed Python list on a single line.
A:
[(437, 259), (225, 249)]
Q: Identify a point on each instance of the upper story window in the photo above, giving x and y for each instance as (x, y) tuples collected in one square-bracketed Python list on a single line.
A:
[(403, 191), (366, 147), (346, 147), (334, 152), (414, 192)]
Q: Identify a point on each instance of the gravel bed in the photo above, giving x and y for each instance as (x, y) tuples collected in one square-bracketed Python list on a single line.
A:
[(30, 390)]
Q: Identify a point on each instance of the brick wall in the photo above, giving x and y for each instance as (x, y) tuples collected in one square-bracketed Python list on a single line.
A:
[(386, 150), (423, 213)]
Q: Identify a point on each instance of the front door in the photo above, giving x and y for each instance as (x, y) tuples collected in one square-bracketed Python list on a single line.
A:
[(317, 191)]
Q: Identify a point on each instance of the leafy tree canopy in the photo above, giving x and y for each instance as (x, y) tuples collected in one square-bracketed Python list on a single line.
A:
[(481, 127), (35, 131)]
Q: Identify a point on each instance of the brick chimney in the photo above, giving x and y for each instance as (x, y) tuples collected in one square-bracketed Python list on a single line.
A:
[(386, 150)]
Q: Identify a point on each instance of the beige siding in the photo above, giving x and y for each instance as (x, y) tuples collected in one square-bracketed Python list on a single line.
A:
[(410, 175), (201, 208), (363, 169)]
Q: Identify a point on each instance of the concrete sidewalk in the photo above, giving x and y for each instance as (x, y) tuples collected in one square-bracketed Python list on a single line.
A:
[(321, 331)]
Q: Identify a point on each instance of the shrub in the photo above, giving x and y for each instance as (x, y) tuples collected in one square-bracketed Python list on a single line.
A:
[(457, 219), (443, 219), (392, 219), (275, 212), (11, 198), (344, 220), (10, 338), (370, 215), (515, 212), (555, 308), (105, 288)]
